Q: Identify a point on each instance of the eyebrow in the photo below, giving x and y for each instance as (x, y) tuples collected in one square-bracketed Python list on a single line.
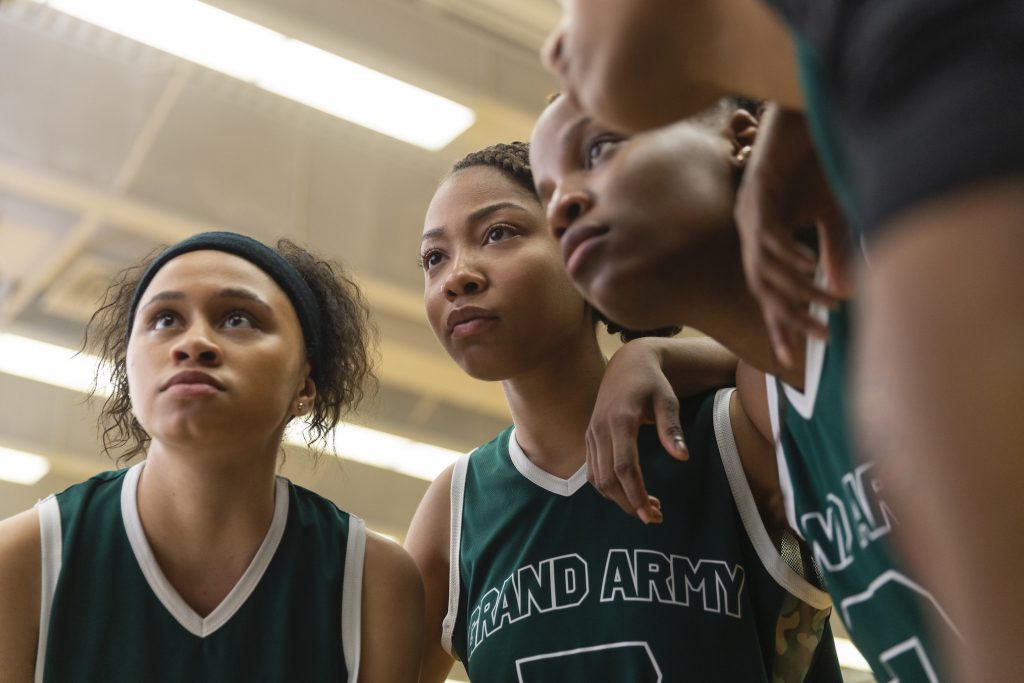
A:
[(477, 215), (226, 293), (431, 234), (491, 208), (573, 131)]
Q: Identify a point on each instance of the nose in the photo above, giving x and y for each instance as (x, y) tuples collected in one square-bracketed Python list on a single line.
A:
[(464, 278), (567, 205), (197, 345)]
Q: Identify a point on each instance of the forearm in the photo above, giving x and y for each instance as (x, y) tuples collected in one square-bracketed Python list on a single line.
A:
[(694, 365), (638, 66)]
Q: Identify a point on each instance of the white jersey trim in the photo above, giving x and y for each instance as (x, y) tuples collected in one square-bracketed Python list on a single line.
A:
[(458, 492), (352, 596), (52, 542), (785, 479), (162, 588), (773, 562), (543, 479), (814, 361)]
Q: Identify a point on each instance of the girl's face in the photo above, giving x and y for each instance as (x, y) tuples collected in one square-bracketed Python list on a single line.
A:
[(638, 219), (495, 291), (216, 355)]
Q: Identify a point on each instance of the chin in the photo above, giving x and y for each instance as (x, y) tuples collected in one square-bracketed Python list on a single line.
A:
[(481, 364)]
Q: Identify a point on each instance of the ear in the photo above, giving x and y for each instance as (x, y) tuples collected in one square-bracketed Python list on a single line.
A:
[(741, 129), (302, 402)]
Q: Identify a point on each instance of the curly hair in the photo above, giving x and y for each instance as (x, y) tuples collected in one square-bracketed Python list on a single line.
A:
[(513, 159), (346, 375)]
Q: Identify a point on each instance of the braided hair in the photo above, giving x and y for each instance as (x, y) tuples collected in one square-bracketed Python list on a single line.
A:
[(513, 159)]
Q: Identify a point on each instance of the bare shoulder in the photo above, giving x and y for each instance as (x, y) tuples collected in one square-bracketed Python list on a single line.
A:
[(428, 542), (20, 564), (752, 389), (429, 531), (388, 563), (20, 552), (392, 613), (751, 428)]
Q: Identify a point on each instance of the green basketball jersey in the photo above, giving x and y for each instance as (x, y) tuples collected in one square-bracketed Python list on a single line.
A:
[(109, 614), (838, 505), (551, 582), (821, 121)]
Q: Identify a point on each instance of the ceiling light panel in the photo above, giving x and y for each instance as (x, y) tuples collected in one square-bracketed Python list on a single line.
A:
[(20, 467), (287, 67)]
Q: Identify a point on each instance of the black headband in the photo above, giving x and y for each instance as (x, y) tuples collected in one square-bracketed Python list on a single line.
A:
[(264, 258)]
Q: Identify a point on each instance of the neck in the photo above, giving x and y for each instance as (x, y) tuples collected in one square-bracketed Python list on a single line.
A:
[(551, 405), (205, 516)]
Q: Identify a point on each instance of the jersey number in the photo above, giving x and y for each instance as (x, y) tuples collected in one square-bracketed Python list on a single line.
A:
[(631, 662), (907, 661)]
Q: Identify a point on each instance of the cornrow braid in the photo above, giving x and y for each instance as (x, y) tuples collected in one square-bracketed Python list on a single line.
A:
[(512, 159)]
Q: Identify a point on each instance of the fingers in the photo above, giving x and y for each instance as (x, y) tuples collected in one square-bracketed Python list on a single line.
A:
[(780, 272), (670, 431), (627, 475), (613, 468)]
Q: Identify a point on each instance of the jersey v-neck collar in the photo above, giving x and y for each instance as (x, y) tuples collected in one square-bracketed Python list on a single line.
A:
[(162, 588), (543, 478)]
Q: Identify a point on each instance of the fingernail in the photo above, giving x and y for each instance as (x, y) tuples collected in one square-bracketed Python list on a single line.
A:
[(641, 512), (681, 450)]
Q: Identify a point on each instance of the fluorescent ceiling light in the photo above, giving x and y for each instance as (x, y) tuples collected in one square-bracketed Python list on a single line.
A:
[(291, 68), (62, 367), (849, 656), (380, 449), (21, 467), (47, 363)]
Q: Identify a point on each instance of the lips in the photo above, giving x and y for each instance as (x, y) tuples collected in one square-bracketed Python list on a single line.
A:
[(469, 320), (575, 237), (193, 378)]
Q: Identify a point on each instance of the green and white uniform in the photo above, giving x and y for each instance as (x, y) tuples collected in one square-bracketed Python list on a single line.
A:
[(837, 504), (109, 614), (551, 582)]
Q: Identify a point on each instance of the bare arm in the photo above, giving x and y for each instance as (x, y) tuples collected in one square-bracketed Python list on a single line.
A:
[(427, 543), (940, 385), (640, 386), (751, 427), (392, 614), (640, 65), (20, 567)]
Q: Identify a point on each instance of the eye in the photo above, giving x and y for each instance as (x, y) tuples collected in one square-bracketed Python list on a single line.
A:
[(499, 233), (239, 320), (162, 320), (601, 149), (429, 259)]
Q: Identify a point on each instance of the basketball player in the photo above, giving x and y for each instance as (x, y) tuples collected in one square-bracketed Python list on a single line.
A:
[(198, 563), (647, 232), (913, 110), (529, 573)]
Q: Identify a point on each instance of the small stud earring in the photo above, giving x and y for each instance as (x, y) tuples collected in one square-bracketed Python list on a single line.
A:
[(301, 405), (741, 156)]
